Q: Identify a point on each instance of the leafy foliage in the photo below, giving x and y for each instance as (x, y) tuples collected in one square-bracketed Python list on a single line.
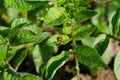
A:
[(48, 34)]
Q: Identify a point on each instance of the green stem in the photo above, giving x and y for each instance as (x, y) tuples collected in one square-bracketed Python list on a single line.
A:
[(77, 69), (112, 36), (73, 23)]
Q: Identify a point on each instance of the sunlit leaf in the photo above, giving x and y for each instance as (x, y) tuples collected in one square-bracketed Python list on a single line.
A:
[(54, 17), (18, 21), (23, 4)]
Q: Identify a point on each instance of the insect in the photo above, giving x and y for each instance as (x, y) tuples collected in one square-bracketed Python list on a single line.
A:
[(59, 39)]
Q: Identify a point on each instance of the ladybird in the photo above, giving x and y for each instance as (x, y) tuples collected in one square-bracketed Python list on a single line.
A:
[(59, 39)]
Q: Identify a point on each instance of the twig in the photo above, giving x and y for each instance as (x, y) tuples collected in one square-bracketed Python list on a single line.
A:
[(77, 69)]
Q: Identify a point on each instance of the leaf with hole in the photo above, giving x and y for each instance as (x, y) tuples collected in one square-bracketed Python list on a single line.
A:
[(58, 40)]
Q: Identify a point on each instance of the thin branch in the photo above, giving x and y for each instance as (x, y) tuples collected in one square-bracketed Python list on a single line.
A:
[(77, 69), (112, 36)]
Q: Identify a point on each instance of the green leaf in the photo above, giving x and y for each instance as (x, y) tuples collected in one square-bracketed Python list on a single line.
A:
[(3, 51), (23, 4), (81, 4), (2, 40), (18, 58), (38, 0), (27, 76), (115, 22), (37, 58), (55, 63), (3, 28), (58, 40), (101, 43), (117, 65), (60, 2), (18, 21), (41, 54), (88, 56), (89, 41), (9, 75), (65, 30), (83, 14), (82, 32), (4, 31), (54, 16), (74, 78), (27, 36), (13, 51), (102, 0)]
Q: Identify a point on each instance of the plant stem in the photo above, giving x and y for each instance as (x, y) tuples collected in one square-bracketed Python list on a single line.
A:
[(112, 36), (77, 69), (73, 23)]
